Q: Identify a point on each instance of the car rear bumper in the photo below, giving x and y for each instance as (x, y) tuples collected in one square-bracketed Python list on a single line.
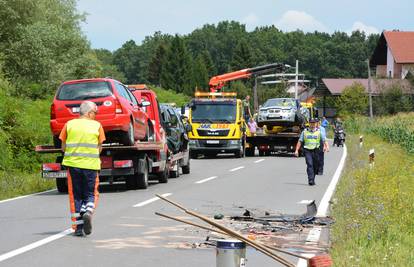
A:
[(119, 123)]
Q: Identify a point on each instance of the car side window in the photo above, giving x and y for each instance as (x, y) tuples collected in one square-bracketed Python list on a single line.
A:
[(122, 91), (134, 100), (174, 119)]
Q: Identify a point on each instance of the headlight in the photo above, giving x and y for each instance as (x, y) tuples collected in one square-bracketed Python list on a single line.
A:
[(234, 142)]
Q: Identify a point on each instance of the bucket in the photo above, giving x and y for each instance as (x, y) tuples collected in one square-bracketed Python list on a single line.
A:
[(230, 253)]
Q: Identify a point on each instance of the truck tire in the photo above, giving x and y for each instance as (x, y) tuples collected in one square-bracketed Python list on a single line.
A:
[(186, 168), (176, 173), (128, 137), (163, 175), (261, 153), (250, 152), (62, 185), (193, 155), (142, 178)]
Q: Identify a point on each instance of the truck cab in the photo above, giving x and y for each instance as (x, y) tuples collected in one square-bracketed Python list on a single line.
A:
[(218, 125)]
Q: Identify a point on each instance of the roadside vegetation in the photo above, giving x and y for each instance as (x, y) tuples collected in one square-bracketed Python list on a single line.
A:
[(374, 204)]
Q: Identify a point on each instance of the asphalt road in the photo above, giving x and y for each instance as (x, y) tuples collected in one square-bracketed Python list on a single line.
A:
[(127, 233)]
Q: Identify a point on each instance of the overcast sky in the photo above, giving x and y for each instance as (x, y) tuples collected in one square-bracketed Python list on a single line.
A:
[(111, 23)]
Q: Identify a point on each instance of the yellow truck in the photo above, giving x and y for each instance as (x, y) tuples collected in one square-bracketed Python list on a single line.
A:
[(218, 124)]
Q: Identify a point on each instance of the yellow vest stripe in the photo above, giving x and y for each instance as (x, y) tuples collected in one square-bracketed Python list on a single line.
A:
[(86, 155), (82, 145)]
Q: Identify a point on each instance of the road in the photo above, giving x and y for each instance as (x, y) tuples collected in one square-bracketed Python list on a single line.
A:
[(127, 233)]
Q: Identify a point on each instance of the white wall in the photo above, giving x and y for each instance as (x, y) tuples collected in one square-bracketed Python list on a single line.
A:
[(390, 64)]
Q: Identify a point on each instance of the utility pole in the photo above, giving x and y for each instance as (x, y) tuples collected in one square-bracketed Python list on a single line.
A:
[(255, 99), (371, 115), (296, 79)]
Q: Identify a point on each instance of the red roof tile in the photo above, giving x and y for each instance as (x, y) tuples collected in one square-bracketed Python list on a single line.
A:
[(336, 86), (401, 45)]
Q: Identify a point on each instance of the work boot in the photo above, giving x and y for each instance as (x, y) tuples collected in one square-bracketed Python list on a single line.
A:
[(79, 232), (87, 222), (311, 183)]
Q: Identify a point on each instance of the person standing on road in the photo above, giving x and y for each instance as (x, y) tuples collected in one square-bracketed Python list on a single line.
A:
[(246, 108), (82, 140), (325, 123), (321, 161), (311, 140)]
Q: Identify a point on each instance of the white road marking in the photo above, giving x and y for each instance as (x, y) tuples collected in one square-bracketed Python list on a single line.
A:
[(305, 201), (315, 233), (237, 168), (206, 180), (34, 245), (259, 160), (146, 202), (16, 198)]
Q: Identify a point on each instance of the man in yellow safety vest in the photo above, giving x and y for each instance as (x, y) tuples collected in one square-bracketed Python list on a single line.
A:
[(82, 140), (312, 138)]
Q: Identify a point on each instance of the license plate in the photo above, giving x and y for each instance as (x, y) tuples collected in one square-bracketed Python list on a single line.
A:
[(58, 174), (274, 116), (213, 142), (75, 109)]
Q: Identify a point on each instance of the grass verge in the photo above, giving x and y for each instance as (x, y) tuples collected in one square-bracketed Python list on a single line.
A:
[(374, 207)]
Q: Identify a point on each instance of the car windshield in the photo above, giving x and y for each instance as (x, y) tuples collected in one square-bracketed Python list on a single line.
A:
[(280, 102), (84, 90), (211, 113)]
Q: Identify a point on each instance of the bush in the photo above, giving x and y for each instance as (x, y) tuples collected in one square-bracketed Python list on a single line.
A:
[(353, 100)]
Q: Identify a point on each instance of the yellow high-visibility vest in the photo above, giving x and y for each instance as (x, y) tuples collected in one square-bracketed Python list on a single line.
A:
[(82, 144), (311, 140)]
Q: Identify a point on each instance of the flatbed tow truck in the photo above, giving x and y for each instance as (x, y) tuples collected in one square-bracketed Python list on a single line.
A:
[(131, 164)]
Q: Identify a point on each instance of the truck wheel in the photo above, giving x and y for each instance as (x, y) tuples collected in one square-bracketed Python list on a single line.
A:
[(176, 173), (261, 153), (193, 155), (142, 178), (186, 168), (62, 185), (163, 176), (128, 138), (249, 152)]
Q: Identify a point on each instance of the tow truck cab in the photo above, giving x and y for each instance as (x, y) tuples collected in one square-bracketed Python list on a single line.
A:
[(218, 124)]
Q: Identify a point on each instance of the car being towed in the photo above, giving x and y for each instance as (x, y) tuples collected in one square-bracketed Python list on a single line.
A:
[(281, 112), (121, 115)]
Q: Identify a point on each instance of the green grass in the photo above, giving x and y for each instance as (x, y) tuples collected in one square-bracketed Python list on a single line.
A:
[(374, 208)]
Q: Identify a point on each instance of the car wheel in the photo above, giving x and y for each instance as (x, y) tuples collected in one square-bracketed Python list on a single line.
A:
[(129, 138), (176, 172), (163, 175), (186, 168)]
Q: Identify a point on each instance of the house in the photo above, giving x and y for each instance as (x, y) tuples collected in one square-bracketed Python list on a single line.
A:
[(393, 56)]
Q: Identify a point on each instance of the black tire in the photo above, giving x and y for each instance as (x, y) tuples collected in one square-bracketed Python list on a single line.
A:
[(249, 152), (261, 153), (128, 138), (163, 175), (193, 155), (186, 168), (62, 185), (176, 174), (142, 178)]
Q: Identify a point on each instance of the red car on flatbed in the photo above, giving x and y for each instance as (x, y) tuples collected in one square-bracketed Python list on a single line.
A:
[(122, 116)]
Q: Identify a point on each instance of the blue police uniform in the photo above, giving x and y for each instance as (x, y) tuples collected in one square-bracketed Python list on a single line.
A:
[(312, 141)]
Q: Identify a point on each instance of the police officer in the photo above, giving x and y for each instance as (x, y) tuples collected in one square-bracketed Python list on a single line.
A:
[(321, 161), (311, 140), (82, 140)]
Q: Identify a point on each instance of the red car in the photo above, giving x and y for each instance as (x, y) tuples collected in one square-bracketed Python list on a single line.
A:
[(122, 116)]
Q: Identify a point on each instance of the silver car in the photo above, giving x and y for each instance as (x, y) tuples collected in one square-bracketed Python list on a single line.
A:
[(281, 112)]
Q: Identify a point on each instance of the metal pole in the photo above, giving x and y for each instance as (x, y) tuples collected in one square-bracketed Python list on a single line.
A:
[(255, 99), (296, 79), (371, 115)]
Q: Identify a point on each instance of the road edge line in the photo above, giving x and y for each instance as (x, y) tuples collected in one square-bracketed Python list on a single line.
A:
[(25, 196), (323, 206)]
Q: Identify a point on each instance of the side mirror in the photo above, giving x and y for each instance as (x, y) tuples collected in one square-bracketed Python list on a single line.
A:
[(145, 103), (188, 128)]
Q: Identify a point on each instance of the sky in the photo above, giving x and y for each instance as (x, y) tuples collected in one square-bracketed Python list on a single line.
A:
[(110, 23)]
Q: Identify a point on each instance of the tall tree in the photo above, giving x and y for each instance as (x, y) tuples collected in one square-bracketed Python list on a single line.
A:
[(126, 59), (242, 56), (156, 63), (200, 74)]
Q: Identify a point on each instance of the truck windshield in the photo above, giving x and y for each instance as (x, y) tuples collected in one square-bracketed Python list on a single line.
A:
[(212, 113), (84, 90)]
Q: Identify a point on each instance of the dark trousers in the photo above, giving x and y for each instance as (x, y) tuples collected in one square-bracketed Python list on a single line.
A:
[(311, 158), (83, 193)]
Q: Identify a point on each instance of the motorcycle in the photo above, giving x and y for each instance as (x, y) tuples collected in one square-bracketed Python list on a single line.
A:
[(339, 136)]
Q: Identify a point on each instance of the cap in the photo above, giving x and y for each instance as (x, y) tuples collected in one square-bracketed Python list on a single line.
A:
[(313, 120)]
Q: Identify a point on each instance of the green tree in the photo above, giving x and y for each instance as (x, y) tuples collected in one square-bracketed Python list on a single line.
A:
[(200, 73), (392, 100), (126, 59), (156, 63), (353, 100), (177, 69), (242, 56)]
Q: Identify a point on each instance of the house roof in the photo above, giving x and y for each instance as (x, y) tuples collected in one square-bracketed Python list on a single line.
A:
[(336, 86), (401, 45)]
